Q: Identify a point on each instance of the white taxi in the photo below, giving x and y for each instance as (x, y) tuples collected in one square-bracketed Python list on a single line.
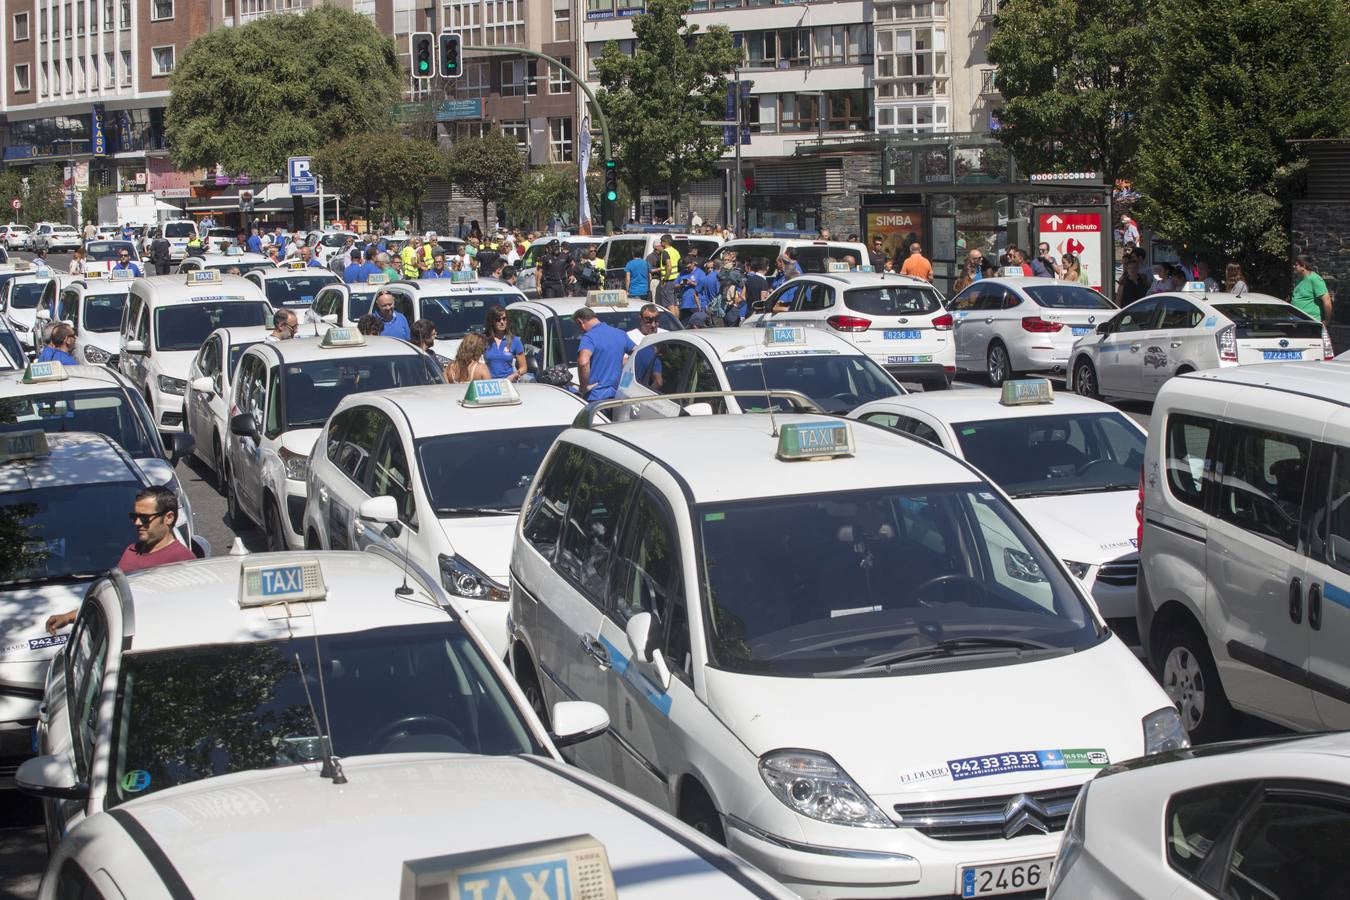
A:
[(778, 638), (897, 320), (70, 492), (550, 335), (438, 473), (340, 304), (16, 237), (232, 262), (19, 299), (1012, 324), (1137, 350), (165, 321), (291, 286), (92, 304), (54, 238), (103, 256), (283, 394), (828, 370), (206, 403), (1069, 464)]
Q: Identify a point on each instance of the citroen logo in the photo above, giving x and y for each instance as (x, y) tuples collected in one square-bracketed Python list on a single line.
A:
[(1023, 815)]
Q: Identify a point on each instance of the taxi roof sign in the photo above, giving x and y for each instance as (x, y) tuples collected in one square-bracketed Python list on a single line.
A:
[(815, 440), (263, 584), (43, 372), (121, 275), (204, 276), (294, 264), (607, 298), (1027, 392), (837, 267), (784, 335), (463, 276), (342, 337), (868, 268), (378, 278), (491, 392), (1010, 272), (23, 445), (96, 273), (1195, 287), (562, 869), (234, 250), (22, 265)]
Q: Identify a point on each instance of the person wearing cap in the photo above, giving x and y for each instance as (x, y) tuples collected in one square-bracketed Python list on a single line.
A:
[(601, 354)]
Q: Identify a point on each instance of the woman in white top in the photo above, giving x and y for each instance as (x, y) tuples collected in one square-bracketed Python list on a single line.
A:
[(1233, 280)]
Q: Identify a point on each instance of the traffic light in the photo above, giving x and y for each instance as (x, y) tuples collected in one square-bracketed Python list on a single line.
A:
[(423, 46), (611, 181), (451, 59)]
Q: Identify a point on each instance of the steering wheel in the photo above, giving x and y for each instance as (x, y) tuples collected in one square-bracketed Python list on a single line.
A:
[(1090, 463), (391, 730), (950, 578)]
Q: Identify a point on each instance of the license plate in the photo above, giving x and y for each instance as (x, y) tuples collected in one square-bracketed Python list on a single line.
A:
[(1008, 878), (1080, 330), (1282, 354), (906, 334)]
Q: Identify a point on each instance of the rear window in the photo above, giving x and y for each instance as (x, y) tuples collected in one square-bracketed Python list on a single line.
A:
[(705, 246), (239, 268), (766, 251), (813, 258), (892, 301), (621, 250), (1249, 313), (1068, 296), (180, 230), (106, 251)]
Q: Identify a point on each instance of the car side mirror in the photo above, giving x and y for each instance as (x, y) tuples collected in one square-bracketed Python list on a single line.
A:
[(43, 314), (204, 384), (1104, 328), (759, 306), (135, 348), (698, 409), (243, 425), (641, 633), (329, 319), (575, 721), (181, 446), (381, 510), (51, 777)]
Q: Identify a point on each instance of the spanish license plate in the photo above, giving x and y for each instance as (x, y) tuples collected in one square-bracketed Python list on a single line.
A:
[(1080, 330), (1282, 354), (1005, 878), (905, 334)]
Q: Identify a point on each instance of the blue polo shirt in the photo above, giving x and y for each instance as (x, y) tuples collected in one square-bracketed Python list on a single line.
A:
[(646, 364), (708, 286), (396, 327), (608, 346), (432, 273), (501, 356), (51, 354), (135, 269), (688, 290), (254, 244), (314, 263), (355, 272), (640, 277)]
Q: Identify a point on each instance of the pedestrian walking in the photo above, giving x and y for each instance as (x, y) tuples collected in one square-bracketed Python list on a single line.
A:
[(637, 275), (1310, 293), (600, 356), (468, 363)]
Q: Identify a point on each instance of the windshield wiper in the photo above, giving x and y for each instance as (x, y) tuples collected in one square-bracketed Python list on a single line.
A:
[(478, 510), (1090, 489), (949, 647)]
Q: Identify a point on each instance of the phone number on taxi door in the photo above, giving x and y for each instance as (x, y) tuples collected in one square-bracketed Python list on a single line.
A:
[(974, 766)]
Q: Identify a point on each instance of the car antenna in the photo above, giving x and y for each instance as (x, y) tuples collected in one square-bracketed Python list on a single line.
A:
[(332, 768), (764, 380), (403, 590)]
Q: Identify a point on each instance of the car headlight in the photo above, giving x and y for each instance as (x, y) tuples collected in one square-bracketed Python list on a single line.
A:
[(297, 466), (1163, 731), (814, 785), (1071, 846), (170, 385), (463, 580), (1078, 569), (95, 356), (1022, 565)]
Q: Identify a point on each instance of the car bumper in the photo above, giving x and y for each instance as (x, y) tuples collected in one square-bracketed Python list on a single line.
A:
[(931, 375), (293, 524), (169, 412), (1039, 358)]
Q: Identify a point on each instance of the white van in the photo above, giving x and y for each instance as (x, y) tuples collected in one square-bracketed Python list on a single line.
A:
[(812, 254), (1244, 578), (178, 232), (640, 243)]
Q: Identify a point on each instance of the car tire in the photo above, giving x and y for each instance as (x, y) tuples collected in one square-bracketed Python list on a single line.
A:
[(998, 364), (1186, 670), (530, 686), (1085, 380), (218, 466), (234, 514), (272, 527), (697, 811)]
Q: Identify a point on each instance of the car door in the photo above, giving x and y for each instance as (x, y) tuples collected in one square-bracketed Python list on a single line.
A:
[(1121, 359), (907, 424), (1179, 335), (86, 660), (811, 306), (197, 404), (673, 363), (529, 326), (1255, 572), (245, 453), (390, 476), (966, 327), (352, 440), (786, 295), (1328, 580)]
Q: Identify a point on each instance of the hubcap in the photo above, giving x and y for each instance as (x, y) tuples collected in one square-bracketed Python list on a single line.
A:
[(1084, 381), (996, 364), (1184, 682)]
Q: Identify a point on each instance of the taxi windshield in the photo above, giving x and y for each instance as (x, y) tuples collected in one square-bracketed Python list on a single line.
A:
[(106, 251), (455, 317), (837, 383), (881, 581), (102, 411), (893, 301), (25, 294), (239, 266), (68, 527), (622, 319), (482, 470), (297, 290), (103, 312), (185, 326), (313, 389), (191, 713), (1067, 296), (1045, 456)]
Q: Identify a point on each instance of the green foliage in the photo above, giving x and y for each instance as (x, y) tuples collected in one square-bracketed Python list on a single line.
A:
[(249, 97), (19, 551), (1220, 164), (488, 168), (1072, 74), (376, 166), (543, 192), (43, 198), (655, 99)]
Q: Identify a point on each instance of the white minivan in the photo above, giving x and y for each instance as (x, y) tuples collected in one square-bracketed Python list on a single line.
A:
[(1244, 580)]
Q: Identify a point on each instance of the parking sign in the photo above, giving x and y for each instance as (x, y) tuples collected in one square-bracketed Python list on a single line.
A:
[(300, 176)]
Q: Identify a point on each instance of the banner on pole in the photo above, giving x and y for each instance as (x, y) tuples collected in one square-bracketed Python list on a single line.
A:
[(584, 161)]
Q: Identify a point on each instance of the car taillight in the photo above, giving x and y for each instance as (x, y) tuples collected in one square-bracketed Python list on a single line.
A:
[(1227, 341), (1139, 513), (1037, 325), (1328, 352), (943, 322), (848, 323)]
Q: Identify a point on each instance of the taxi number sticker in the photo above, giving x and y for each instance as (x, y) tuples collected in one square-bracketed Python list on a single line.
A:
[(901, 360), (1080, 330), (51, 640), (906, 334), (1027, 761), (1281, 354)]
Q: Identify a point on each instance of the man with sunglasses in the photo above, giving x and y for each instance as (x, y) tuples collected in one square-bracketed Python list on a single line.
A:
[(153, 515), (124, 262)]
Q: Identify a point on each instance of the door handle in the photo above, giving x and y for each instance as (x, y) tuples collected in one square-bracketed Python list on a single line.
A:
[(1315, 606), (596, 651), (1176, 344), (989, 320), (1296, 600), (1134, 348), (323, 495)]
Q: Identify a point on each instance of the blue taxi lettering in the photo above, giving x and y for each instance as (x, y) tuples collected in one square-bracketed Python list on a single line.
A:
[(288, 580), (489, 389), (536, 881)]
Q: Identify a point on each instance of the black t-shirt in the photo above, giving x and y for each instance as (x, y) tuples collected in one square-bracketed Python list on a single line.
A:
[(556, 266), (1132, 289), (878, 259), (756, 286)]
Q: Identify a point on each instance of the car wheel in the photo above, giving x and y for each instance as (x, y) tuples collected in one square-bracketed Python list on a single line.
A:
[(528, 679), (1085, 380), (234, 515), (276, 537), (997, 364), (697, 811), (1190, 678), (218, 467)]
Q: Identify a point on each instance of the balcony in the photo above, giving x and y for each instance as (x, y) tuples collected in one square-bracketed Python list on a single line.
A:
[(988, 9), (987, 86)]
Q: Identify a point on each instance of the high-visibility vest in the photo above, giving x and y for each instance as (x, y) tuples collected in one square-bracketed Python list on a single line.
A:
[(671, 257)]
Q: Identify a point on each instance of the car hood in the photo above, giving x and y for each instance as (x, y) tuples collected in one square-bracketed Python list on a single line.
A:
[(300, 441), (901, 734), (1088, 528), (25, 646), (175, 363), (482, 541)]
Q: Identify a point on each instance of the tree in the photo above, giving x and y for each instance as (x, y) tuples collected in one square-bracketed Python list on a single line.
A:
[(406, 165), (40, 189), (544, 192), (656, 98), (488, 168), (1220, 162), (377, 166), (347, 167), (1073, 74)]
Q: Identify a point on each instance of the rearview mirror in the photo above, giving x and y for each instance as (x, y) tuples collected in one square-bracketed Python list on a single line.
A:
[(44, 314), (136, 348), (243, 425), (1104, 328), (575, 721), (204, 384), (698, 409), (51, 777), (641, 632), (181, 446), (381, 510)]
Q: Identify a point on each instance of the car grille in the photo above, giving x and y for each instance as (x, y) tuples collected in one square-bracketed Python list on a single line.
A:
[(983, 818), (1123, 572)]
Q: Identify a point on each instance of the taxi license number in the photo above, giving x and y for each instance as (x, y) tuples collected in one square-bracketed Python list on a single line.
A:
[(1080, 330), (1007, 878), (905, 334), (1281, 354)]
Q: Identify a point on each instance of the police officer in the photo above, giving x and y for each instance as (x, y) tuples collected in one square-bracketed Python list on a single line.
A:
[(552, 272), (159, 252)]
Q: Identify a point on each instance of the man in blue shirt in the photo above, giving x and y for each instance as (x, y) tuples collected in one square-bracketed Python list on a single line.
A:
[(688, 288), (709, 285), (394, 322), (438, 269), (254, 242), (637, 277), (600, 356), (60, 346), (124, 262), (355, 271)]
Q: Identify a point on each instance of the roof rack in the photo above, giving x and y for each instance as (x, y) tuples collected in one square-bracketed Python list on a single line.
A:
[(586, 418)]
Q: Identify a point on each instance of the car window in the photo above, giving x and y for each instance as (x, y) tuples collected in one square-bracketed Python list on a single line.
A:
[(968, 300), (1041, 456), (250, 394), (1331, 524), (142, 332), (647, 572), (921, 430), (208, 360), (314, 388), (1195, 820), (785, 295), (597, 507), (674, 356), (352, 446), (272, 427), (1261, 488), (88, 656), (108, 411), (1067, 296), (391, 476), (102, 313), (184, 326), (549, 503), (297, 290), (704, 378), (745, 252), (621, 250), (814, 297), (893, 301), (836, 382), (1187, 443), (1139, 316), (1291, 846), (1179, 314), (70, 308)]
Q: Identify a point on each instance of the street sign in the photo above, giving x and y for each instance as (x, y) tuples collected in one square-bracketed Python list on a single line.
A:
[(15, 203), (1076, 231), (300, 175)]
